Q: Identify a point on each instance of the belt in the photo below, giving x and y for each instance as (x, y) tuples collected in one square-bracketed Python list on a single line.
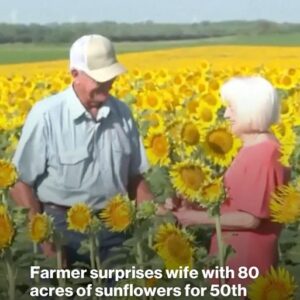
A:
[(63, 207)]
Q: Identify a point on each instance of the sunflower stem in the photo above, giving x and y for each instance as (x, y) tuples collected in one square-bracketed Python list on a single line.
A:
[(35, 262), (3, 198), (140, 261), (92, 258), (59, 257), (11, 277), (220, 243), (150, 238), (97, 256)]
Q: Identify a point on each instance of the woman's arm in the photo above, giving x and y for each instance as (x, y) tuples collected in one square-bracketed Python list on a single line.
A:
[(232, 221)]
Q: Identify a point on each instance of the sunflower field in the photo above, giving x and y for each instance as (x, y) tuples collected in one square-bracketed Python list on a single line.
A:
[(175, 100)]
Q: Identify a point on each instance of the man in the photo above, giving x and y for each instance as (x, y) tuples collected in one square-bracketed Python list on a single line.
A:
[(81, 145)]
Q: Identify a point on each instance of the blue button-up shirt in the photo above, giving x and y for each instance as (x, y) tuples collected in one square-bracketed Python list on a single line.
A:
[(69, 157)]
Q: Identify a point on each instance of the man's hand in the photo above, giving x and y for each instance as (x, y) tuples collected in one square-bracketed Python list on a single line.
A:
[(48, 249)]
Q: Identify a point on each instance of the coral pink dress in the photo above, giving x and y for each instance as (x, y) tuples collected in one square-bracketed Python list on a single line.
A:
[(252, 177)]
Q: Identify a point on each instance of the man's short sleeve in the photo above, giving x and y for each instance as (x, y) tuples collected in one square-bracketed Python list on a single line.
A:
[(138, 161), (30, 156)]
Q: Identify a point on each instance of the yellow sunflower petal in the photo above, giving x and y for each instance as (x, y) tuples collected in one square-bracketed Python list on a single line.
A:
[(285, 204), (79, 217), (6, 228), (275, 285), (118, 214), (8, 174), (174, 246), (40, 228)]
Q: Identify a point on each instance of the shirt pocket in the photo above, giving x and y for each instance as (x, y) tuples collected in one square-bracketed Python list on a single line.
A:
[(121, 153), (74, 165)]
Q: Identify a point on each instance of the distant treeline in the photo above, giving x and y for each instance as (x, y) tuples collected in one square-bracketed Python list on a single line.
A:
[(146, 31)]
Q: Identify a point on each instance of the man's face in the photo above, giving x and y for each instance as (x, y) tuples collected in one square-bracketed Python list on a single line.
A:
[(95, 92)]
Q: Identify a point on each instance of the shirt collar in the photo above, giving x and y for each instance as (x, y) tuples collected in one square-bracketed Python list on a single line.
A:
[(77, 109)]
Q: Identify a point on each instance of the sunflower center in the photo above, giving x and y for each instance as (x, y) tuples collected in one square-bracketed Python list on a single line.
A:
[(178, 248), (286, 80), (210, 99), (276, 294), (120, 216), (159, 145), (220, 141), (206, 114), (6, 231), (192, 177), (80, 219), (214, 85), (152, 100), (39, 228), (190, 134), (192, 106), (284, 108)]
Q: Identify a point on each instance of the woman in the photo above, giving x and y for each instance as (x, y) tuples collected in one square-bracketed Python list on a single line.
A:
[(252, 106)]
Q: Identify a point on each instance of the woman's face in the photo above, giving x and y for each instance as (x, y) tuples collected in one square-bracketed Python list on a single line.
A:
[(231, 114)]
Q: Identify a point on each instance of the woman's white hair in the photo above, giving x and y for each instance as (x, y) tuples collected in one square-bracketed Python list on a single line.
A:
[(255, 100)]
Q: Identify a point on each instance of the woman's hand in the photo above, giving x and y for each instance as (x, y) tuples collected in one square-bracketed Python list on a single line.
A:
[(188, 217)]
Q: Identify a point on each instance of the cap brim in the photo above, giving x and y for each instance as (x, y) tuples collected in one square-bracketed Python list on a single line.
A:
[(108, 73)]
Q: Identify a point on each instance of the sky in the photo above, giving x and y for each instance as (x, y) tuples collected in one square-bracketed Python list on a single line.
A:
[(131, 11)]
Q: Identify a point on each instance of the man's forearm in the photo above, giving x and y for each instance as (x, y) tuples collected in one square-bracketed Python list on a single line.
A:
[(23, 195), (139, 189)]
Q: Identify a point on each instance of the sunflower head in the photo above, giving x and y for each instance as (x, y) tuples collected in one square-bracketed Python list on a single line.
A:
[(174, 246), (190, 134), (157, 147), (40, 228), (275, 285), (79, 217), (7, 228), (285, 204), (220, 145), (8, 174), (213, 192), (146, 210), (118, 214), (189, 177)]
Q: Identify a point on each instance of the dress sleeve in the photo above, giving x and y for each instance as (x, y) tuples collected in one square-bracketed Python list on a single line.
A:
[(258, 178)]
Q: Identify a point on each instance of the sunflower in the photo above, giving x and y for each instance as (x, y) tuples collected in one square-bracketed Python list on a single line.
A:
[(40, 228), (8, 174), (275, 285), (189, 177), (118, 214), (157, 147), (287, 109), (213, 192), (220, 145), (188, 137), (206, 114), (155, 120), (174, 246), (285, 204), (283, 131), (79, 217), (294, 98), (286, 81), (192, 106), (285, 134), (212, 99), (152, 100), (6, 228)]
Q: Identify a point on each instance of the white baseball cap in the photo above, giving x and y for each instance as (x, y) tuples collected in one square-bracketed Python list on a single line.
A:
[(95, 55)]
